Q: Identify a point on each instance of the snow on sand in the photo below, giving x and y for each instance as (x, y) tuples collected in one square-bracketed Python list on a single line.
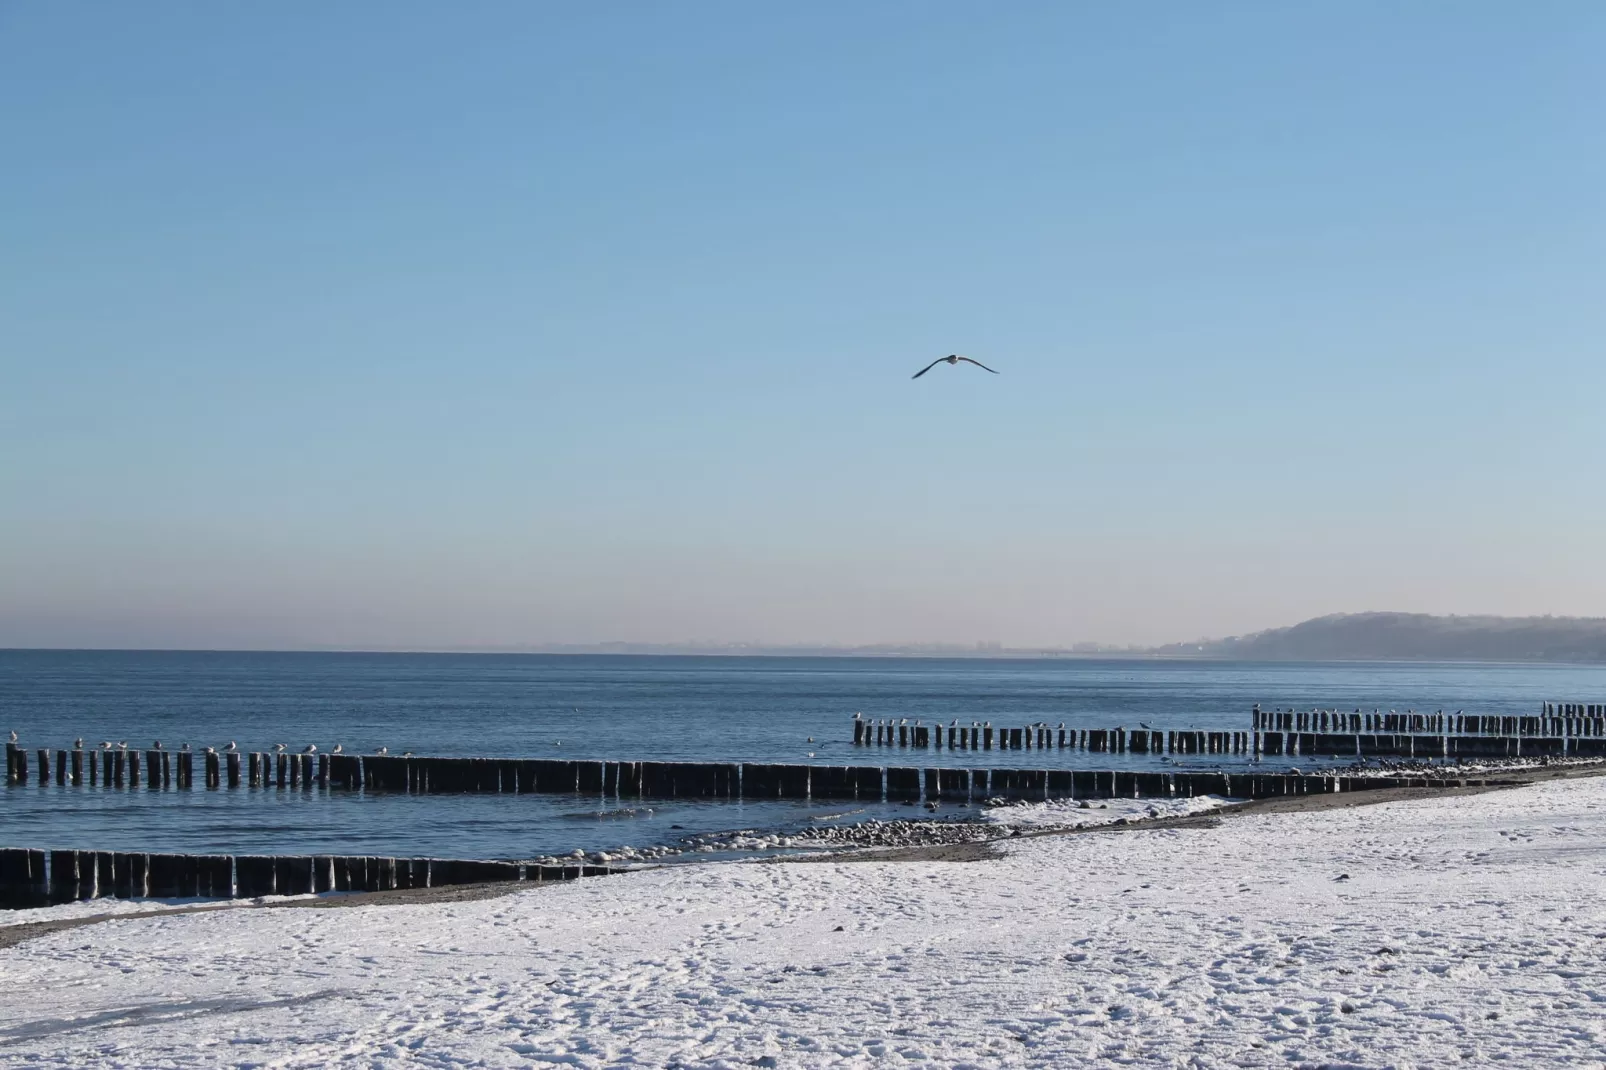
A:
[(1452, 931)]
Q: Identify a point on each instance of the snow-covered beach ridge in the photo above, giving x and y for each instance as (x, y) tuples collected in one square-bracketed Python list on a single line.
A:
[(1449, 929)]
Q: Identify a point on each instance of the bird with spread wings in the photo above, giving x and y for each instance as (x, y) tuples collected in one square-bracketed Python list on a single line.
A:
[(952, 358)]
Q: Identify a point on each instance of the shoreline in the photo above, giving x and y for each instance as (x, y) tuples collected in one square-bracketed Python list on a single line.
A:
[(979, 849)]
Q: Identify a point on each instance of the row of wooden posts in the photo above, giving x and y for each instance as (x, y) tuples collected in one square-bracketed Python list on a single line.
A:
[(33, 878), (162, 768), (732, 780), (1405, 745), (1560, 720), (982, 735)]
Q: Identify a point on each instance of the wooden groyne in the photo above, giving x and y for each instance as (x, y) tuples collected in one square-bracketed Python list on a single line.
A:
[(35, 878), (1558, 720), (1570, 729), (1563, 729), (411, 774), (983, 735)]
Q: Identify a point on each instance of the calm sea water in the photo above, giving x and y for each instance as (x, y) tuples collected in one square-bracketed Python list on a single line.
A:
[(663, 708)]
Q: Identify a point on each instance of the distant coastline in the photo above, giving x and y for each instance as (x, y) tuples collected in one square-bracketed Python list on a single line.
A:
[(1344, 637)]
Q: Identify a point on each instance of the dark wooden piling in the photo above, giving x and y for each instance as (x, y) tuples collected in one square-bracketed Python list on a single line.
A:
[(953, 785), (903, 784), (281, 769), (345, 771), (162, 876), (186, 769), (292, 875), (64, 876), (231, 764), (61, 767), (129, 874), (254, 876), (22, 878), (457, 871)]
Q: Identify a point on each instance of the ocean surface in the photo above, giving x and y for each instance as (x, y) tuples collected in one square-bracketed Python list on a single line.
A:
[(755, 709)]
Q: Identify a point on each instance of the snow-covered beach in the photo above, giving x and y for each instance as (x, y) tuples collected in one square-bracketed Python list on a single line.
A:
[(1450, 930)]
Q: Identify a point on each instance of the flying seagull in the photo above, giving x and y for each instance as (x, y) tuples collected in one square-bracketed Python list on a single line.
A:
[(952, 358)]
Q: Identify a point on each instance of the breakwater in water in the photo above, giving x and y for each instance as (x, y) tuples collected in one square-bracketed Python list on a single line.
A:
[(1564, 729), (984, 736), (412, 774), (35, 878)]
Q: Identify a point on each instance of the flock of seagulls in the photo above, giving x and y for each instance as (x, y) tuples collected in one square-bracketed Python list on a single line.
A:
[(231, 748)]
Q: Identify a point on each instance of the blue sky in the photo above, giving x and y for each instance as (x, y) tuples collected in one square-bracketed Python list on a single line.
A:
[(430, 325)]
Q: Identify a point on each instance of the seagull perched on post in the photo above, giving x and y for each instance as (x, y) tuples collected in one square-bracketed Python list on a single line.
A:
[(106, 744), (279, 748), (13, 735), (232, 747), (210, 750), (157, 745), (339, 748), (952, 358), (382, 750), (310, 748), (78, 744)]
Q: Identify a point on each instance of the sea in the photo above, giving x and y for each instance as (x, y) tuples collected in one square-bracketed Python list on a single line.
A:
[(618, 707)]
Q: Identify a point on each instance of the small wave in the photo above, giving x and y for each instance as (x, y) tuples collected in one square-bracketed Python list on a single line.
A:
[(625, 813)]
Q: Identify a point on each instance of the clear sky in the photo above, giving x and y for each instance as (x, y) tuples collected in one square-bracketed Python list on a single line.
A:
[(427, 325)]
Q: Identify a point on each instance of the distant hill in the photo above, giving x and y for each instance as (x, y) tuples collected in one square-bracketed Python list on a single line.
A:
[(1414, 637)]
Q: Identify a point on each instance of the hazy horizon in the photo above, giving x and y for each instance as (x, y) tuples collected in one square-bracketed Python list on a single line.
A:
[(410, 327)]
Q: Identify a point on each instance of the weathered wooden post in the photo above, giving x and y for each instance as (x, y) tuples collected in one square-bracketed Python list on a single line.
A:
[(61, 767), (231, 761), (44, 765), (214, 772)]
